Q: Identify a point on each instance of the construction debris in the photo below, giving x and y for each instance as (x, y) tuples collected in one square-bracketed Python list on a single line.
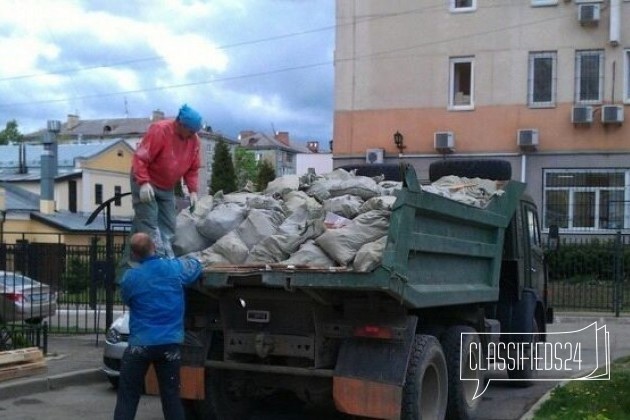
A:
[(22, 362)]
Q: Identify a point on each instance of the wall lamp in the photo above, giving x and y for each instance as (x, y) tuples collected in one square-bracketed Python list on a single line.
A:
[(398, 140)]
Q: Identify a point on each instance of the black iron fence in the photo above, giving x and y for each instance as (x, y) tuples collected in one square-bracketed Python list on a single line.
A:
[(54, 287), (586, 274), (591, 274)]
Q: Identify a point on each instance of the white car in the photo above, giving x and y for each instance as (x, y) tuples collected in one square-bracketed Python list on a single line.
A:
[(115, 345)]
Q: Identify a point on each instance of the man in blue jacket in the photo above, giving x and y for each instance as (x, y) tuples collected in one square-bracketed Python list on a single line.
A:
[(154, 293)]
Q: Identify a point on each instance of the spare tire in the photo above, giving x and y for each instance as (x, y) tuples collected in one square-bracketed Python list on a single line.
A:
[(499, 170)]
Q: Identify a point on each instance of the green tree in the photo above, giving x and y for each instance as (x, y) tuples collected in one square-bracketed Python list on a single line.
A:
[(223, 176), (10, 133), (245, 166), (266, 174)]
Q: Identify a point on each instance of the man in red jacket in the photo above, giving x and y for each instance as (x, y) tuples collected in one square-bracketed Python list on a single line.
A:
[(169, 151)]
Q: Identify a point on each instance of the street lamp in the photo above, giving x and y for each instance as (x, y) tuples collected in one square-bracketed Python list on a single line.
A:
[(398, 141)]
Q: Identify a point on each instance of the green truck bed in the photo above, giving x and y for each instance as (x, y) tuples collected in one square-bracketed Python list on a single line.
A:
[(439, 252)]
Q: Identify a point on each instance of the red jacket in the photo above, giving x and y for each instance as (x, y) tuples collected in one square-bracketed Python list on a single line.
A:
[(163, 158)]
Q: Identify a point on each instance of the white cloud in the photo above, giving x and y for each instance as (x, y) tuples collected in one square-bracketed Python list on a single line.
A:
[(231, 59)]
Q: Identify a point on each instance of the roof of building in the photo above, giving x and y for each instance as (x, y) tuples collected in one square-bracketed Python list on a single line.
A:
[(253, 140), (76, 222), (67, 154)]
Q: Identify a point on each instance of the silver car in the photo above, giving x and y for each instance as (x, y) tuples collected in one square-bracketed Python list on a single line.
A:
[(115, 345), (22, 298)]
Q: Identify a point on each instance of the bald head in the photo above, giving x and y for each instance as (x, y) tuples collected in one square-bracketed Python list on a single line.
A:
[(141, 245)]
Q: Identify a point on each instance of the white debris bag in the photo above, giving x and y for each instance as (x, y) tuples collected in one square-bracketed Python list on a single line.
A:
[(290, 235), (259, 225), (283, 185), (223, 218), (342, 244), (187, 238), (231, 247), (370, 255), (385, 202), (345, 205), (310, 254)]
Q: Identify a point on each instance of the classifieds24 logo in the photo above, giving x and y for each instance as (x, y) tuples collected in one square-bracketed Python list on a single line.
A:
[(582, 354)]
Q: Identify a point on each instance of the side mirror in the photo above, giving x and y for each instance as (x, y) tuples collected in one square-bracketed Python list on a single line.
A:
[(553, 238)]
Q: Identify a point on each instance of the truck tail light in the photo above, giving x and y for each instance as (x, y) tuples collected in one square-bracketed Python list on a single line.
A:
[(374, 331)]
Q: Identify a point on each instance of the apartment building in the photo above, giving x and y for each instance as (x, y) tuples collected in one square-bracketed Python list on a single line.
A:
[(541, 83)]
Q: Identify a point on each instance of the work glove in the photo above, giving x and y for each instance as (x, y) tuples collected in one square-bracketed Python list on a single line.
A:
[(146, 193), (193, 201)]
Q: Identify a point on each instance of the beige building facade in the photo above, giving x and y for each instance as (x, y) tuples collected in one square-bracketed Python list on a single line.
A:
[(541, 83)]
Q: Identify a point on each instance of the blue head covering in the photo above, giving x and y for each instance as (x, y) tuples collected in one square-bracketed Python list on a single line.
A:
[(189, 118)]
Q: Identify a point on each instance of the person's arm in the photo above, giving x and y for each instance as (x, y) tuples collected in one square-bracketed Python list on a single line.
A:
[(191, 270), (125, 288), (149, 148), (191, 176)]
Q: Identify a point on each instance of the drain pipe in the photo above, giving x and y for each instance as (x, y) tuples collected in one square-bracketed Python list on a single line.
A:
[(523, 168), (615, 27)]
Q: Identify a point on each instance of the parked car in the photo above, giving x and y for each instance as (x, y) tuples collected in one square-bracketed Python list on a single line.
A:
[(115, 345), (22, 298)]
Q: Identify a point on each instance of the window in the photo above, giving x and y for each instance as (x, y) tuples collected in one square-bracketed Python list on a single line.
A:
[(98, 194), (532, 227), (542, 80), (462, 5), (626, 78), (72, 196), (589, 76), (587, 199), (117, 192), (461, 83)]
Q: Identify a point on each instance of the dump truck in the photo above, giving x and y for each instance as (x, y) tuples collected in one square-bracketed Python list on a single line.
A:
[(390, 343)]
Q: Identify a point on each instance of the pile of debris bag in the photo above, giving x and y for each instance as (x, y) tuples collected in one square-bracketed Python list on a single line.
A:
[(337, 219)]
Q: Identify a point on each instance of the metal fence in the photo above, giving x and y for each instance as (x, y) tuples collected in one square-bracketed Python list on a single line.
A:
[(591, 273), (57, 288), (586, 274)]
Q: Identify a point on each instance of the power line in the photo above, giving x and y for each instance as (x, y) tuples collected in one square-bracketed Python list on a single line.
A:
[(176, 86), (380, 54)]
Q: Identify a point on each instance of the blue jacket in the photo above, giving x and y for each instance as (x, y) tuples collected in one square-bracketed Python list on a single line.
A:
[(154, 294)]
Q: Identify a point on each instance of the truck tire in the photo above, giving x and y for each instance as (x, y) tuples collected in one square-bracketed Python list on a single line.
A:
[(524, 322), (499, 170), (523, 377), (425, 392), (461, 404), (224, 390)]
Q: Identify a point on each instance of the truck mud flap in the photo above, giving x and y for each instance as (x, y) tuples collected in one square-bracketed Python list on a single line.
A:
[(370, 374)]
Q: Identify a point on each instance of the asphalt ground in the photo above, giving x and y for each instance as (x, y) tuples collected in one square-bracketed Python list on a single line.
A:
[(75, 360)]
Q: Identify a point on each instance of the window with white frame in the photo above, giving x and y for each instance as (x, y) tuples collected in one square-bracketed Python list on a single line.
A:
[(626, 78), (462, 5), (541, 90), (589, 76), (587, 199), (461, 83)]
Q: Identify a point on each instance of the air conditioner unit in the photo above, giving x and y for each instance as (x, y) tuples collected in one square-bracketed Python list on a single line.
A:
[(588, 14), (527, 138), (582, 114), (443, 140), (612, 114), (374, 155)]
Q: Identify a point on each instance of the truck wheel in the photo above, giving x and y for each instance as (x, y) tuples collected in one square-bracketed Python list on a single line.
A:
[(426, 386), (500, 170), (523, 375), (225, 390), (461, 404)]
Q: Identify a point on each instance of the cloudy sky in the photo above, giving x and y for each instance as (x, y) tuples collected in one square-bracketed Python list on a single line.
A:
[(244, 64)]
